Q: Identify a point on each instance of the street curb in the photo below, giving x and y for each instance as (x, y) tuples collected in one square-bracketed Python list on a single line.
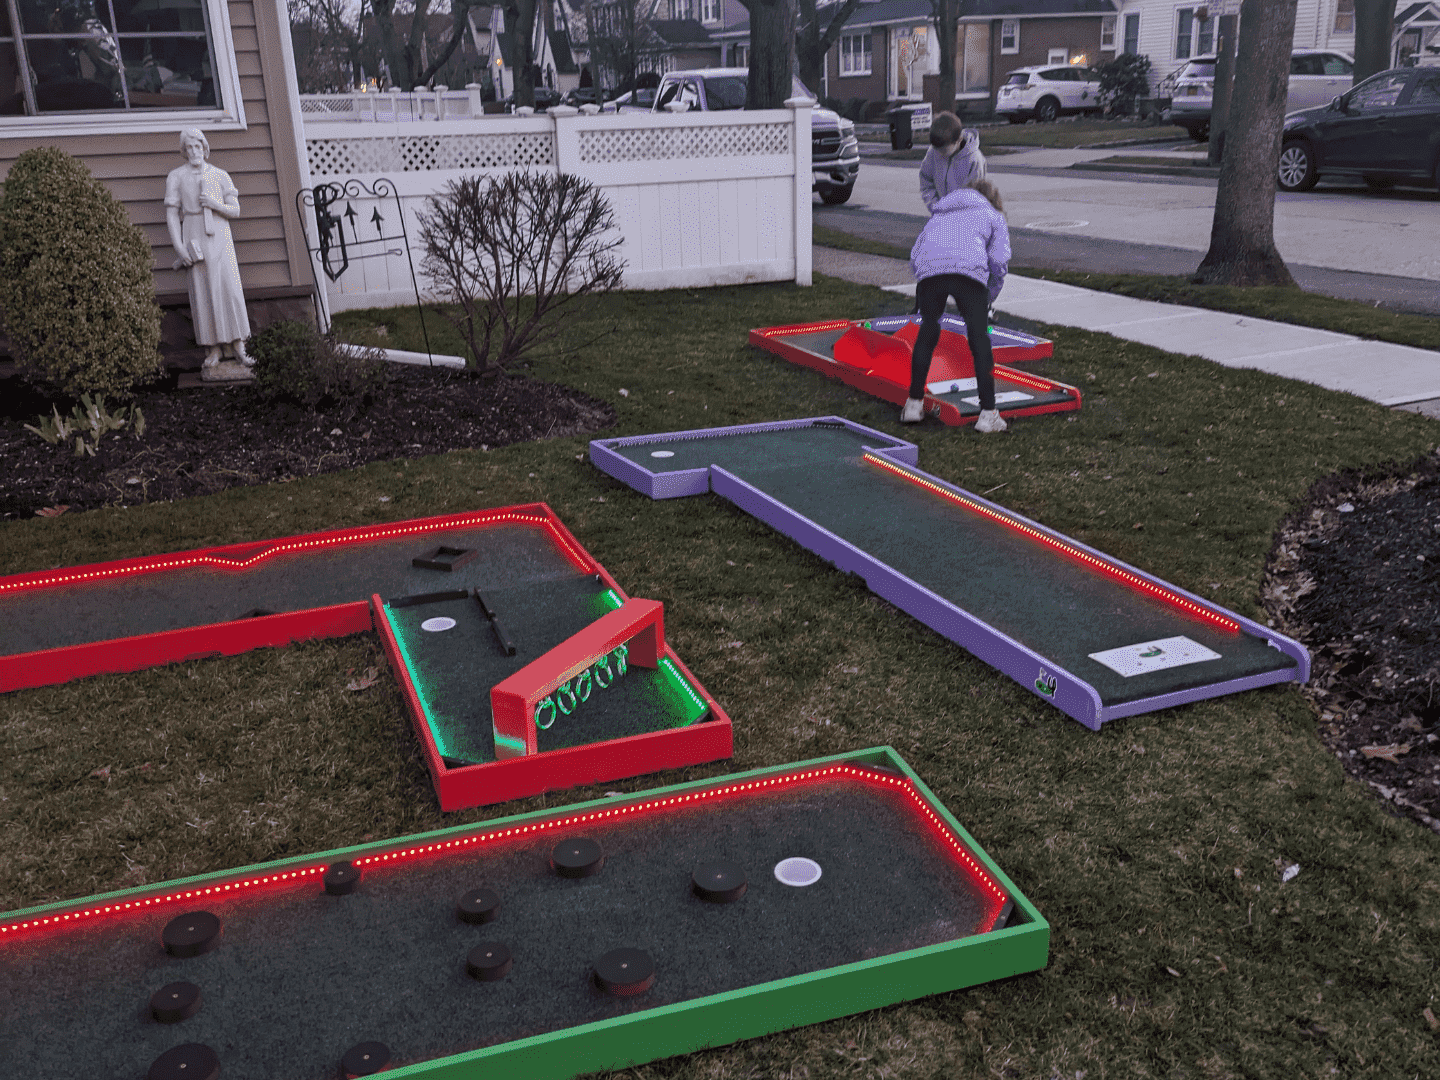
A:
[(1211, 172)]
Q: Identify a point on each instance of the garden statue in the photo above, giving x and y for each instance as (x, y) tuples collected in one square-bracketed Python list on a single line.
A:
[(200, 202)]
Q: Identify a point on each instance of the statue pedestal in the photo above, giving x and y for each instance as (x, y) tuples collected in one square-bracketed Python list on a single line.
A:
[(227, 371)]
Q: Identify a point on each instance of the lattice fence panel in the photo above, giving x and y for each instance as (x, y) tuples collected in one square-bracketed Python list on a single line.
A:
[(429, 153), (658, 144)]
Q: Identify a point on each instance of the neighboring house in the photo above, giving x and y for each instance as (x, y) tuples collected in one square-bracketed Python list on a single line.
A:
[(888, 52), (118, 99), (1172, 31)]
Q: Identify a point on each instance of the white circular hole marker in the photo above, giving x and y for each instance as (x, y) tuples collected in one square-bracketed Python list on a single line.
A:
[(662, 453), (797, 872), (437, 624)]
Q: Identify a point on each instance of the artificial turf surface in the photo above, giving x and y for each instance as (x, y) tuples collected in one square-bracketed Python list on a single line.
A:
[(1155, 847)]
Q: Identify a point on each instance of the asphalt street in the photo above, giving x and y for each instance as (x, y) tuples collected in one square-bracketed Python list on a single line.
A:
[(1339, 241)]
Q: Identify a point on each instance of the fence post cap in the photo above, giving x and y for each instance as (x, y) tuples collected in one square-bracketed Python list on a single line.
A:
[(800, 103), (564, 110)]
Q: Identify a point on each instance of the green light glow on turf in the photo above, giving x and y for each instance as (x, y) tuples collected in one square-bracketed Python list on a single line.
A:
[(419, 687), (668, 666)]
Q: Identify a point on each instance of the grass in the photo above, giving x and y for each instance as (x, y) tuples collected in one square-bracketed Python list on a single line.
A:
[(1076, 134), (1154, 847), (1282, 305)]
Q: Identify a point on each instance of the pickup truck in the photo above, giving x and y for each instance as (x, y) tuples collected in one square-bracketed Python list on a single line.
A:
[(834, 151)]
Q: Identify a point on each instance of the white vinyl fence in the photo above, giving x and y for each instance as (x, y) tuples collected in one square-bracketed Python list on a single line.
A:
[(699, 198)]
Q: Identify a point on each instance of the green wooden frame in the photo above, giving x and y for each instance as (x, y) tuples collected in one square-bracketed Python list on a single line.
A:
[(683, 1027)]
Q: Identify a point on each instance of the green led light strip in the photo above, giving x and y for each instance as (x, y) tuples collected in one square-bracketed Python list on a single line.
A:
[(415, 681), (676, 677)]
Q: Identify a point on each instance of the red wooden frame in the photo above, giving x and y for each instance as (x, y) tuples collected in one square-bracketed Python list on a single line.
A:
[(708, 739), (772, 339)]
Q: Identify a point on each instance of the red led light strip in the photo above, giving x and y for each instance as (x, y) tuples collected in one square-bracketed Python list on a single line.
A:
[(354, 536), (159, 901), (806, 328), (1032, 381), (969, 862), (976, 871), (1149, 587)]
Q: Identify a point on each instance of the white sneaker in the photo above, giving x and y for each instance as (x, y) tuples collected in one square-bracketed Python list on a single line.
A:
[(990, 422), (913, 412)]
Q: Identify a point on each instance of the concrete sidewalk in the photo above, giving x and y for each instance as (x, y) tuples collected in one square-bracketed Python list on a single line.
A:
[(1392, 375)]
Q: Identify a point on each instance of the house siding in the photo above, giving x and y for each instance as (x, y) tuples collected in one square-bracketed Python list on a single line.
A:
[(260, 159)]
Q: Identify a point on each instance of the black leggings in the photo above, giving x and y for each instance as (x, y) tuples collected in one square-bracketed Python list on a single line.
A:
[(973, 301)]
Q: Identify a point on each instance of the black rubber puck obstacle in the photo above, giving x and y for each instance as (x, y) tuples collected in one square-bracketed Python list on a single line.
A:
[(364, 1059), (625, 972), (478, 906), (190, 1061), (175, 1002), (191, 934), (577, 858), (718, 882), (341, 879), (489, 961)]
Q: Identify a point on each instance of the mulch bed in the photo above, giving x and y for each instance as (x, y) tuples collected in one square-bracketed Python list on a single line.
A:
[(203, 440), (1355, 575)]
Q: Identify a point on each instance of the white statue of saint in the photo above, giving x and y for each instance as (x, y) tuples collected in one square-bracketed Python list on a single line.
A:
[(200, 203)]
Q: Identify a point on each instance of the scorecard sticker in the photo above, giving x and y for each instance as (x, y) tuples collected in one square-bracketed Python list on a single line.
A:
[(1150, 656), (1007, 398), (950, 386)]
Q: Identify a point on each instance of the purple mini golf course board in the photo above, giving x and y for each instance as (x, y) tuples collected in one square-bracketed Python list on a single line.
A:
[(1095, 637)]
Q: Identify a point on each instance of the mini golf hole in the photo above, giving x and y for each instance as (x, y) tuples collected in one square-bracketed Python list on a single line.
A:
[(662, 453), (797, 872), (438, 623)]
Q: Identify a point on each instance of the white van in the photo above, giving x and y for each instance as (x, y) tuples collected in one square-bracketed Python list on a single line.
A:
[(1316, 76)]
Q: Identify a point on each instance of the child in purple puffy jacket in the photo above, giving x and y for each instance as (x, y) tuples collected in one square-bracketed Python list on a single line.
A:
[(964, 252)]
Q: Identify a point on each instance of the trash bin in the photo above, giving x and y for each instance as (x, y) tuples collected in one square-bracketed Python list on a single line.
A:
[(900, 136)]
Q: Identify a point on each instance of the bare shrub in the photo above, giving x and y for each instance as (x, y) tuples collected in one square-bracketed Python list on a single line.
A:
[(513, 253)]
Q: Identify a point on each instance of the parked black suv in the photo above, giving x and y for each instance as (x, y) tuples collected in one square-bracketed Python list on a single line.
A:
[(834, 151)]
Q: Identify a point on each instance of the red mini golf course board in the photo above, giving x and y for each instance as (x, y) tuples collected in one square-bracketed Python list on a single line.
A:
[(499, 607), (603, 935), (874, 356), (1095, 637)]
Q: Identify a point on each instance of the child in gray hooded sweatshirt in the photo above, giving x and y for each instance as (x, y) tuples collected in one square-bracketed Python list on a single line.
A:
[(964, 252), (953, 161)]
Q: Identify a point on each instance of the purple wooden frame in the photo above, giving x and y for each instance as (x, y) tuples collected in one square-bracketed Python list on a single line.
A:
[(1069, 693)]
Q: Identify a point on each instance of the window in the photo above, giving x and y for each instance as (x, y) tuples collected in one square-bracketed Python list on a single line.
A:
[(1107, 33), (855, 54), (1132, 34), (131, 65), (1306, 65), (1344, 16), (710, 11), (1381, 92), (1057, 56), (1427, 88), (682, 9), (1009, 35), (975, 79), (1336, 65), (1194, 32), (739, 55)]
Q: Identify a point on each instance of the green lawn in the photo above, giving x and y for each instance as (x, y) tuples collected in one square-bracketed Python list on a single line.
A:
[(1076, 134), (1154, 846)]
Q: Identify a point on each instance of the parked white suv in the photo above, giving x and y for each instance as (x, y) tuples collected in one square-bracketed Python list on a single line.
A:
[(1048, 91), (834, 151), (1316, 76)]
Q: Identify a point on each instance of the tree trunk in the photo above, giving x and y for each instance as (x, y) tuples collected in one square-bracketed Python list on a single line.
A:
[(414, 47), (1224, 82), (1374, 29), (772, 53), (523, 31), (946, 15), (1242, 238), (812, 43)]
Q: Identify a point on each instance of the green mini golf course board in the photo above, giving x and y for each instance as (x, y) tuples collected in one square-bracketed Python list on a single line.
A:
[(906, 905)]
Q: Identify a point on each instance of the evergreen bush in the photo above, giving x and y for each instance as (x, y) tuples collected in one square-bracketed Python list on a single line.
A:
[(1122, 80), (77, 292), (296, 364)]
